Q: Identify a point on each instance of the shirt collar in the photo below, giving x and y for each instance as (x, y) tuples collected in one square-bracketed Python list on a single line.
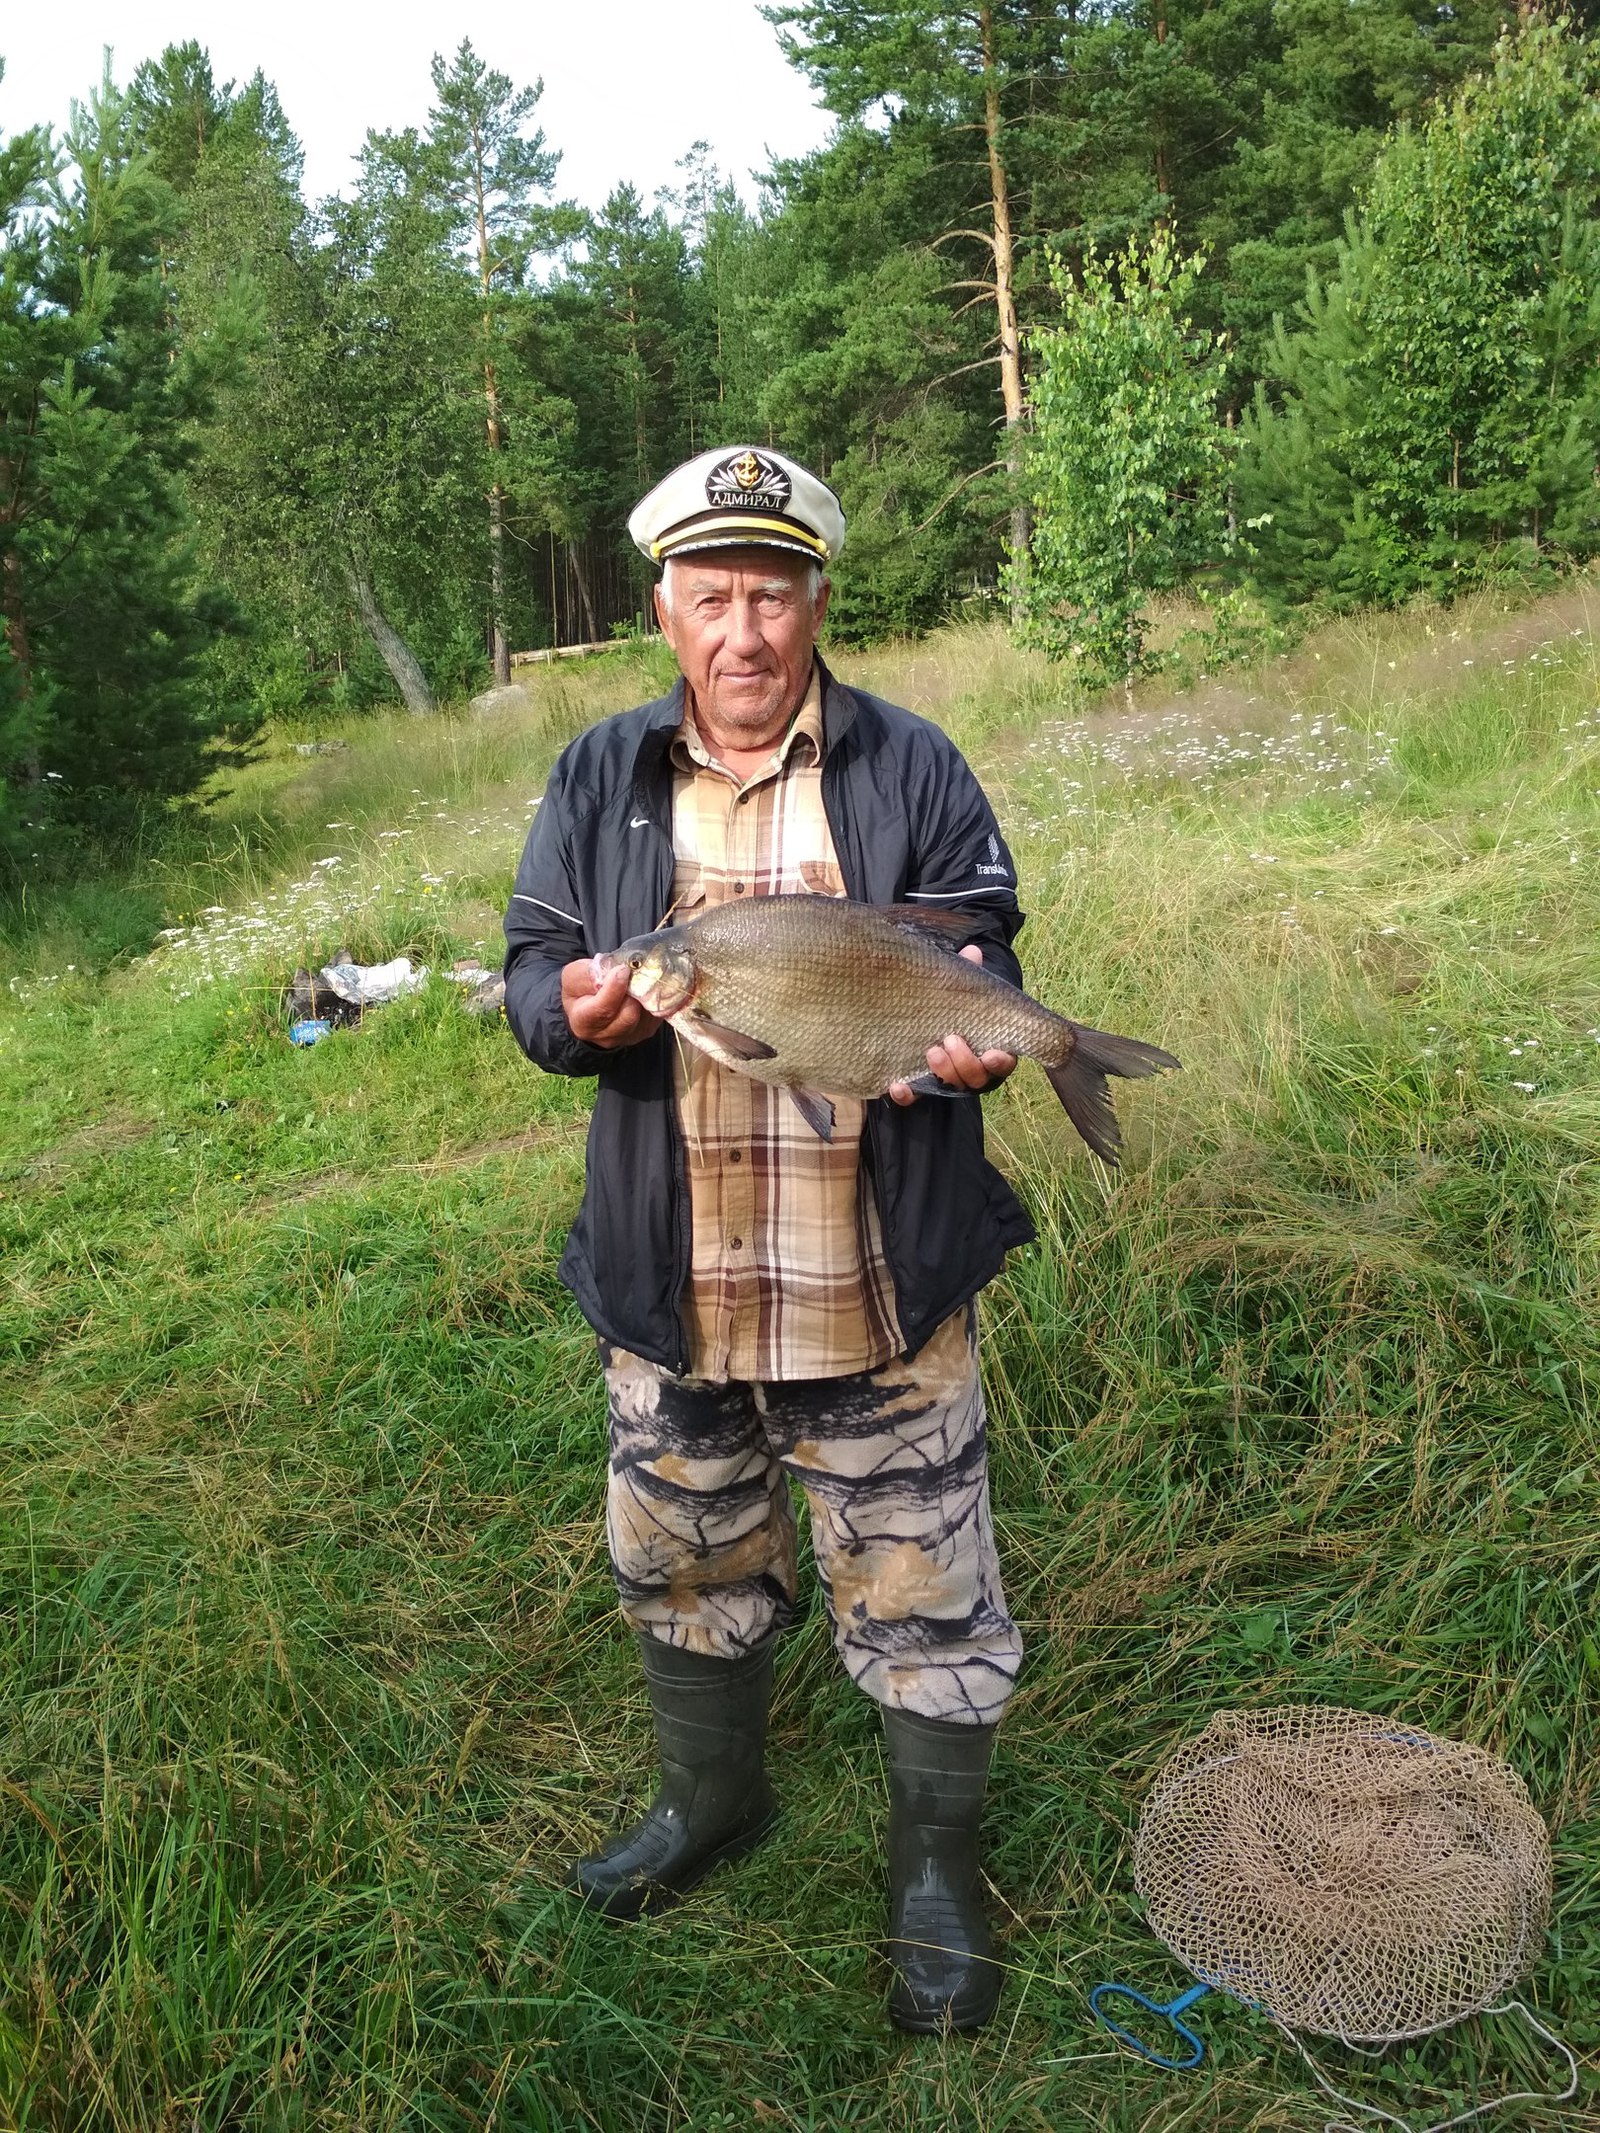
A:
[(689, 750)]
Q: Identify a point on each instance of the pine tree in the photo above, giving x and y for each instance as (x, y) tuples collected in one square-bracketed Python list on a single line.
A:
[(36, 342), (487, 168), (969, 64), (107, 625), (723, 378), (176, 111), (1437, 412), (243, 296)]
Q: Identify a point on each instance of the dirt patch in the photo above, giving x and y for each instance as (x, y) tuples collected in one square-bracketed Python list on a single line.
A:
[(104, 1136)]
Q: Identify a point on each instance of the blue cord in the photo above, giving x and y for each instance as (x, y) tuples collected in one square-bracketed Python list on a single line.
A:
[(1168, 2010)]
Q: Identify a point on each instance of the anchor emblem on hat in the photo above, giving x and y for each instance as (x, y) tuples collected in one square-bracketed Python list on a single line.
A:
[(748, 478)]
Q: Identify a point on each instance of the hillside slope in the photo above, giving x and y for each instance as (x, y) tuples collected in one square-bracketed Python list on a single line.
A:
[(313, 1670)]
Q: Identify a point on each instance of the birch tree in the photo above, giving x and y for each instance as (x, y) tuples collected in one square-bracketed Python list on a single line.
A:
[(1128, 461)]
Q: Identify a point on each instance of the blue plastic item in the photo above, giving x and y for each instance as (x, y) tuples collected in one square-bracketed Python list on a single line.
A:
[(311, 1031), (1169, 2011)]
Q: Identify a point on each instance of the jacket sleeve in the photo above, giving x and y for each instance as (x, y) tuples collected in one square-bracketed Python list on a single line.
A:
[(961, 861), (545, 930)]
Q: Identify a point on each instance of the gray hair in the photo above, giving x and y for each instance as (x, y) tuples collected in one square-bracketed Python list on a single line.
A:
[(813, 577)]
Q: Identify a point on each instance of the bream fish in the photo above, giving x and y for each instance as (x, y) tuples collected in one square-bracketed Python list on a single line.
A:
[(828, 998)]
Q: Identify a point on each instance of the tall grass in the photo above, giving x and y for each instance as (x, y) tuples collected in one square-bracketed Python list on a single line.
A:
[(312, 1668)]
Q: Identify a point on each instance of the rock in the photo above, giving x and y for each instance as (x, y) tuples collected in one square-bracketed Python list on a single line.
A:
[(511, 696)]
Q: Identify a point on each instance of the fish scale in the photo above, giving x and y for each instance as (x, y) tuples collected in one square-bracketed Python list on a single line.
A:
[(857, 997), (826, 998)]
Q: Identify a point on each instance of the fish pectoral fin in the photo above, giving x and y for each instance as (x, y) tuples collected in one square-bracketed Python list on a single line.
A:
[(945, 929), (734, 1042), (817, 1111), (930, 1085)]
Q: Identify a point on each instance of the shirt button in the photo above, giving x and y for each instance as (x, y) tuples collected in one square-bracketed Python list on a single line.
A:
[(735, 1155), (735, 1244), (738, 888), (744, 799)]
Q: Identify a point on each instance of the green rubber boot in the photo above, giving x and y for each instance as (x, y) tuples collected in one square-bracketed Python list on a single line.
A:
[(946, 1974), (714, 1803)]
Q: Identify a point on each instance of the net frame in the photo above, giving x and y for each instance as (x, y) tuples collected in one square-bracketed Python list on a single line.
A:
[(1351, 1876)]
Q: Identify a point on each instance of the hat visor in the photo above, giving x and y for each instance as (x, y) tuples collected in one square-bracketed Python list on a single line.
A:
[(741, 532)]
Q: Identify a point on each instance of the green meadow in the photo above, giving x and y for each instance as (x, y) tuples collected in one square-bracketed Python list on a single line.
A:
[(312, 1672)]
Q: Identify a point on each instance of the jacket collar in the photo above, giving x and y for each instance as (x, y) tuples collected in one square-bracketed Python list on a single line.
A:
[(839, 707), (660, 721), (663, 718)]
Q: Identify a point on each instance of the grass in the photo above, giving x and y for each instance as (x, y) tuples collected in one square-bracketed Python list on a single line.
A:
[(313, 1673)]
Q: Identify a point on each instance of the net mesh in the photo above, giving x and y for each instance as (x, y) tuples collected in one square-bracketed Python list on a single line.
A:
[(1351, 1876)]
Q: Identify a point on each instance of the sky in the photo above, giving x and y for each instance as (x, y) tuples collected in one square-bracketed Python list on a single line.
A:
[(629, 84)]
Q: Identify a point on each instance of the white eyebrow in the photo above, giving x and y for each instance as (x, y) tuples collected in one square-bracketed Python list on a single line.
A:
[(710, 585)]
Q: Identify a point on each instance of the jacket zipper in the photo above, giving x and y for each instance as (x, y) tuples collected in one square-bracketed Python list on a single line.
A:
[(854, 882), (650, 804)]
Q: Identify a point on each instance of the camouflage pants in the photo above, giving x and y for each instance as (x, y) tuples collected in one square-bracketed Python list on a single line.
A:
[(894, 1463)]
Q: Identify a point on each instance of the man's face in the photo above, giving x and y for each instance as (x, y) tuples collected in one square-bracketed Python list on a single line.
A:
[(743, 625)]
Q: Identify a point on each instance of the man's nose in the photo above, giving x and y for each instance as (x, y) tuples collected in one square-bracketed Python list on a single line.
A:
[(744, 637)]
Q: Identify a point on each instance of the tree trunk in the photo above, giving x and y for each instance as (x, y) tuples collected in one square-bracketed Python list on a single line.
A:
[(582, 584), (1006, 308), (13, 610), (497, 583), (501, 644), (395, 653), (1131, 640)]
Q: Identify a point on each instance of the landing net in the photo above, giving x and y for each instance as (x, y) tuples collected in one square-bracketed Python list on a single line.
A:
[(1350, 1876)]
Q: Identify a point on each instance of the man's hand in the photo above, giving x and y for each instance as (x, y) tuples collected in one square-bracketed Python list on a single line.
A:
[(957, 1065), (602, 1011)]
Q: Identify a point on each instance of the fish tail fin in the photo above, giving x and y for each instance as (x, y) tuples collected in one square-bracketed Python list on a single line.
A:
[(1080, 1082)]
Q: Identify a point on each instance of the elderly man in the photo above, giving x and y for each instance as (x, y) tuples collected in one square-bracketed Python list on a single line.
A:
[(772, 1306)]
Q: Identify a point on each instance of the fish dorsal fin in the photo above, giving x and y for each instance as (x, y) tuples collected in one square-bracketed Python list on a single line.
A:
[(944, 929), (732, 1041), (816, 1109)]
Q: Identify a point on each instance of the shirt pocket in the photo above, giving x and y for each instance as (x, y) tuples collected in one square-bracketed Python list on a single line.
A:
[(688, 888), (821, 877)]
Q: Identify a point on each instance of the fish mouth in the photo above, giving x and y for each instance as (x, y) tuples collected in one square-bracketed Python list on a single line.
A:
[(663, 982)]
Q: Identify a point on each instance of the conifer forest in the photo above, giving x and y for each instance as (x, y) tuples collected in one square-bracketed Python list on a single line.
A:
[(1287, 304)]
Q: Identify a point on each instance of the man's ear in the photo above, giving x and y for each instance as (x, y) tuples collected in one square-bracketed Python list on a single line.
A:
[(820, 606), (663, 612)]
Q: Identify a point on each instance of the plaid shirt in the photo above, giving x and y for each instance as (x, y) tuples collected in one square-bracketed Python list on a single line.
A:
[(788, 1277)]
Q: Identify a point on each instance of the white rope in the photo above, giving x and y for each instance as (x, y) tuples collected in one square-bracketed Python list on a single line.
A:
[(1373, 2111)]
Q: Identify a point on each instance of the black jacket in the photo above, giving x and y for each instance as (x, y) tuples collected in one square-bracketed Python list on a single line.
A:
[(909, 822)]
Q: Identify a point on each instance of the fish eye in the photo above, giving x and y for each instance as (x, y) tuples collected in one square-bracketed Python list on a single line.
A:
[(636, 962)]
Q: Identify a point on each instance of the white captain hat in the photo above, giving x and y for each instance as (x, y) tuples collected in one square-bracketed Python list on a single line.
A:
[(741, 496)]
